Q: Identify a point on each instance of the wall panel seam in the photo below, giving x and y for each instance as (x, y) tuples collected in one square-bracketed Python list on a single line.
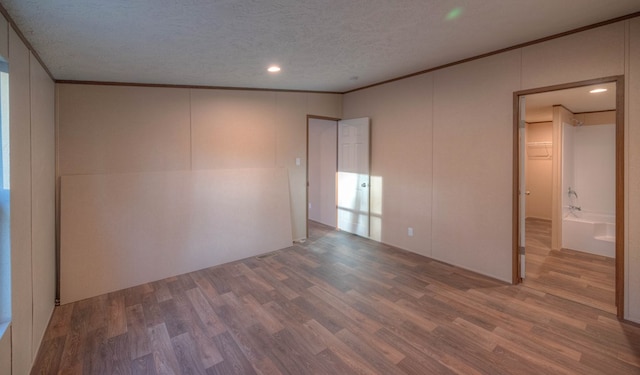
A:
[(190, 130), (627, 130), (31, 205)]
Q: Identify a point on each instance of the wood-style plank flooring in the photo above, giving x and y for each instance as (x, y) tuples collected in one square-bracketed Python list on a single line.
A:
[(577, 276), (337, 304)]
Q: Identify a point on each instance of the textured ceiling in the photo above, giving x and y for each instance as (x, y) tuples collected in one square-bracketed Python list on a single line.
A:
[(321, 45)]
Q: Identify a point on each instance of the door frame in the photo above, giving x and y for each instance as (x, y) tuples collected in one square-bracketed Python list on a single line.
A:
[(619, 165), (306, 206)]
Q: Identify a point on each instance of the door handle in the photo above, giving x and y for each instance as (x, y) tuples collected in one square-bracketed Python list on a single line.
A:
[(527, 192), (364, 184)]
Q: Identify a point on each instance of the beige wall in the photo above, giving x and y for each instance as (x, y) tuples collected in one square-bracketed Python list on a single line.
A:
[(122, 230), (632, 172), (472, 150), (291, 143), (590, 54), (424, 132), (42, 198), (21, 281), (106, 129), (401, 159), (462, 170), (128, 132), (32, 204), (233, 129), (538, 170), (133, 129)]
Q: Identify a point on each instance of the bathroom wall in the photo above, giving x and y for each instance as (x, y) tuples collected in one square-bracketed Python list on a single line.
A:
[(594, 167), (559, 199), (322, 171), (589, 159), (589, 153), (538, 172), (568, 167)]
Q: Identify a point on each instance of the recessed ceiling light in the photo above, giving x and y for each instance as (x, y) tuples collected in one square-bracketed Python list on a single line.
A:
[(274, 69), (595, 91)]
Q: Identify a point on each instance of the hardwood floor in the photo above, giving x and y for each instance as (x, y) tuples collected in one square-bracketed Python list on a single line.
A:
[(337, 304), (577, 276)]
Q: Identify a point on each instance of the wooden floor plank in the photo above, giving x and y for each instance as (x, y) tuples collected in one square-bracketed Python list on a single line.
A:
[(205, 312), (59, 325), (301, 335), (186, 353), (356, 363), (50, 356), (137, 332), (76, 336), (418, 357), (164, 357), (151, 310), (341, 304), (143, 365), (235, 362), (574, 275), (364, 349)]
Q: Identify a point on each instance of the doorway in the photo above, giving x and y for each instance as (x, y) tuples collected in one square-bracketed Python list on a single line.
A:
[(568, 191), (322, 161), (338, 180)]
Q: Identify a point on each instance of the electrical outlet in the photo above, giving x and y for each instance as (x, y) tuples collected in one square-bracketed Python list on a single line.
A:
[(410, 232)]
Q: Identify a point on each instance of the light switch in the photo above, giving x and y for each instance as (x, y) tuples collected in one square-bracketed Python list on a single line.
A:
[(298, 162)]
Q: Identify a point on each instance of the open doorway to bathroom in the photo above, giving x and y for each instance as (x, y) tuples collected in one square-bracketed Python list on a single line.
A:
[(569, 197)]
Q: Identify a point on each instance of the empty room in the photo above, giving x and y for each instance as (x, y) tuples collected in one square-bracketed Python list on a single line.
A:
[(305, 187)]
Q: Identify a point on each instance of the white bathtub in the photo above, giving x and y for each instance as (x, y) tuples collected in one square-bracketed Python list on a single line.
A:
[(589, 232)]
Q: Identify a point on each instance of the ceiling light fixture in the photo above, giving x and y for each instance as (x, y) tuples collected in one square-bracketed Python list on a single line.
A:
[(274, 69), (595, 91)]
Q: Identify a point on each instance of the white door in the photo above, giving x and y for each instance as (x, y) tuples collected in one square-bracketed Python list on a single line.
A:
[(353, 176), (522, 183)]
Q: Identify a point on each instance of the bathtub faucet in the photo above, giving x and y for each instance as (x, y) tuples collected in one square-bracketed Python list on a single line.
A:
[(577, 208), (572, 192)]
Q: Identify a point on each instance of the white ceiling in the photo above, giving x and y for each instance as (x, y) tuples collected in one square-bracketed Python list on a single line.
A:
[(321, 45), (539, 107)]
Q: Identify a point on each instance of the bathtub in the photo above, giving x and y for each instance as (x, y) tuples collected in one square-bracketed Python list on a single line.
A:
[(589, 232)]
